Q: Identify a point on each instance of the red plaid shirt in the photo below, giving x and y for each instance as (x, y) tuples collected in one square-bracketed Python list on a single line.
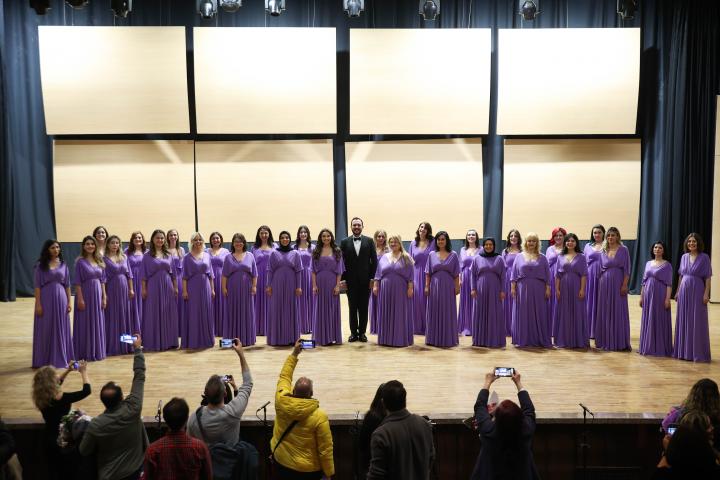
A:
[(178, 456)]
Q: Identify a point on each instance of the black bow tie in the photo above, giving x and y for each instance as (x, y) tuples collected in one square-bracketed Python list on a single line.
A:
[(357, 239)]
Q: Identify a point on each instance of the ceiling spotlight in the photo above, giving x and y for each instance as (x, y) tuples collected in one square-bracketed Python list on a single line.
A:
[(121, 8), (40, 6), (529, 10), (627, 8), (429, 9), (77, 3), (207, 9), (231, 6), (353, 7), (274, 7)]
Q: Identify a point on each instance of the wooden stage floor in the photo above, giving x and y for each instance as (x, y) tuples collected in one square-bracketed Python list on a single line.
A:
[(440, 382)]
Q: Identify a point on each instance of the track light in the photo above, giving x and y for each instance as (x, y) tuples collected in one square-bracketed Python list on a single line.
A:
[(429, 9), (529, 10), (121, 8), (77, 3), (40, 6), (627, 8), (207, 9), (274, 7), (353, 8), (231, 6)]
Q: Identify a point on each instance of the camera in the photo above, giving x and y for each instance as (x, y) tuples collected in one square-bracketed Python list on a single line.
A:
[(226, 342), (126, 338), (305, 344), (504, 371)]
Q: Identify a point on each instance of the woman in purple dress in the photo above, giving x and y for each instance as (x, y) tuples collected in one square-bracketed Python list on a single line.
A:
[(570, 284), (52, 342), (513, 246), (467, 255), (394, 287), (530, 287), (284, 277), (177, 253), (120, 314), (487, 276), (593, 252), (381, 248), (90, 302), (159, 292), (612, 329), (198, 294), (555, 248), (217, 259), (100, 234), (135, 251), (420, 249), (239, 286), (263, 247), (327, 269), (692, 337), (656, 322), (305, 302), (442, 284)]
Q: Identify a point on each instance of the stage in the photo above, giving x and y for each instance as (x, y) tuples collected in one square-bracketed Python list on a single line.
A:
[(441, 383)]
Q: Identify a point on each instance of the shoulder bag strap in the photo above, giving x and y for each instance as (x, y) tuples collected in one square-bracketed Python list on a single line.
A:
[(282, 437)]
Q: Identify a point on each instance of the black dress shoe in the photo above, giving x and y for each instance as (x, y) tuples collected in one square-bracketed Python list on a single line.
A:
[(363, 338), (353, 338)]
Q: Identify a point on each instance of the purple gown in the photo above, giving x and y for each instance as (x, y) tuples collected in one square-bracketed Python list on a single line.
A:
[(530, 327), (306, 301), (52, 342), (509, 259), (552, 257), (612, 326), (692, 337), (656, 321), (374, 307), (487, 277), (261, 299), (89, 324), (284, 275), (570, 310), (591, 289), (160, 312), (135, 266), (219, 302), (327, 327), (200, 331), (395, 320), (120, 313), (465, 312), (419, 300), (177, 264), (239, 319), (441, 317)]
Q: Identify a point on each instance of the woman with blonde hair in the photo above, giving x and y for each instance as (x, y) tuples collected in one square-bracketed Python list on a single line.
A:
[(120, 314), (530, 288), (90, 303), (612, 327), (135, 252), (198, 293), (177, 253), (381, 248), (394, 287)]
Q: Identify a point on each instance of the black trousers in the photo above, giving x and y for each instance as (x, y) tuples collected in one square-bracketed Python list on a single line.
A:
[(358, 298), (284, 473)]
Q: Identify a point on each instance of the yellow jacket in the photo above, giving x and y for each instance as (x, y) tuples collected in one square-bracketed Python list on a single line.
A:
[(308, 447)]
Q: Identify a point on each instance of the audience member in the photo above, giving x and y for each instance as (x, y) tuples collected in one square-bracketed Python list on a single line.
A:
[(506, 436), (301, 445), (402, 446), (703, 396), (117, 437), (688, 455), (177, 456), (371, 421), (10, 468)]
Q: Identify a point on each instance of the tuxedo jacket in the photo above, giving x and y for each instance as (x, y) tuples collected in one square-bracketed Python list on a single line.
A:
[(359, 269)]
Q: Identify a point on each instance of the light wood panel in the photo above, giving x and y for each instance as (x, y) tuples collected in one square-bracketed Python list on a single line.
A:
[(572, 183), (123, 185), (397, 185), (419, 81), (98, 80), (715, 252), (568, 81), (265, 80), (242, 185)]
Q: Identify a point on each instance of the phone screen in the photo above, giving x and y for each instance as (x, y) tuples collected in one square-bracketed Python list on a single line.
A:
[(671, 430), (226, 343), (125, 338), (504, 371), (307, 344), (76, 365)]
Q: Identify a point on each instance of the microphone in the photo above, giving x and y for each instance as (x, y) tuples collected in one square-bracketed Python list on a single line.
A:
[(586, 409), (266, 404), (158, 417)]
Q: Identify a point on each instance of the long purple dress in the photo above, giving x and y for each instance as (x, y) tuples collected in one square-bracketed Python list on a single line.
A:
[(240, 312), (198, 273), (442, 322), (395, 320), (612, 326), (120, 313), (656, 321), (135, 265), (374, 307), (327, 327), (591, 289), (261, 299), (177, 263), (509, 259), (465, 312), (552, 257), (419, 300), (219, 302), (487, 278), (530, 327), (692, 337), (89, 324), (306, 301), (284, 275), (570, 310), (160, 313), (52, 342)]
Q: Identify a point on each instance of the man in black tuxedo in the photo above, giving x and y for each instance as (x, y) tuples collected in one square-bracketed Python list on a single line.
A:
[(360, 265)]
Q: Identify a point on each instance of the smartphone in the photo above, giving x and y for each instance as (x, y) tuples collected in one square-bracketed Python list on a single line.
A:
[(305, 344), (126, 338), (671, 429), (504, 371), (76, 365), (226, 378), (226, 342)]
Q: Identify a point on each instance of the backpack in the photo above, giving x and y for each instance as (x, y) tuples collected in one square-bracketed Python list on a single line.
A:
[(238, 461)]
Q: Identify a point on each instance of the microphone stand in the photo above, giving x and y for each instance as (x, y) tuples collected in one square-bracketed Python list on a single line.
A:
[(267, 439), (584, 445)]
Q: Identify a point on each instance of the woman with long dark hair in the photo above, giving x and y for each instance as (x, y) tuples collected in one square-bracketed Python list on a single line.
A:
[(198, 293), (593, 253), (371, 421), (703, 396), (327, 270), (120, 314), (513, 246), (305, 302), (239, 285), (134, 252), (177, 254), (470, 248), (159, 291), (570, 284), (218, 253), (90, 303), (263, 247), (656, 322), (283, 286), (487, 277), (442, 284), (612, 330), (554, 250), (419, 251)]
